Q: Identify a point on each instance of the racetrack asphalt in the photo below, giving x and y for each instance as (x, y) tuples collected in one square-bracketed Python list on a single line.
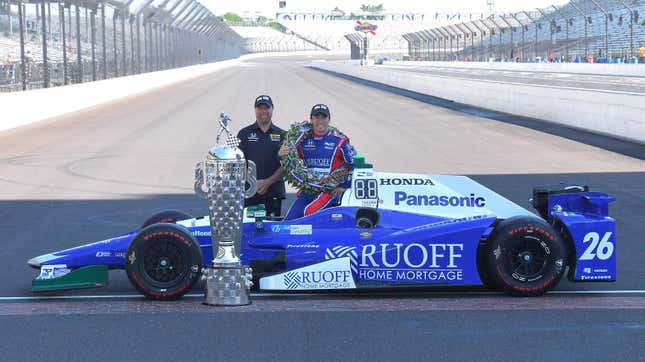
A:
[(100, 172)]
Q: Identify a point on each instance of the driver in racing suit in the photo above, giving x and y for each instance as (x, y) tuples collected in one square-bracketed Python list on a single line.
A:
[(325, 153)]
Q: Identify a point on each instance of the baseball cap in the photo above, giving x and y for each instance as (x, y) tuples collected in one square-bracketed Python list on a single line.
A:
[(263, 99), (320, 108)]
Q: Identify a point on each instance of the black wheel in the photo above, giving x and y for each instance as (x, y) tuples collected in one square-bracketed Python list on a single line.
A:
[(163, 261), (525, 256), (166, 216)]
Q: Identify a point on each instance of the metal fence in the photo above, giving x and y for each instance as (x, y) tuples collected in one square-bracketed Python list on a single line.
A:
[(579, 31), (45, 44)]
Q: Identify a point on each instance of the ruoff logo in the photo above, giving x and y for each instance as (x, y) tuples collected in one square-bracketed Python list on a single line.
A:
[(317, 279), (292, 280), (342, 252)]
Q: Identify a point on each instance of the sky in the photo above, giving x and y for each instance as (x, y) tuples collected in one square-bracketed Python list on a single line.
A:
[(268, 7)]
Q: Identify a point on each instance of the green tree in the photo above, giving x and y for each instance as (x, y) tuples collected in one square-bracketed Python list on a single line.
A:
[(232, 18), (276, 26)]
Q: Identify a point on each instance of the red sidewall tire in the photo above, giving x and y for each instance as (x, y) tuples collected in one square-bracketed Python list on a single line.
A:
[(163, 261), (166, 216), (525, 256)]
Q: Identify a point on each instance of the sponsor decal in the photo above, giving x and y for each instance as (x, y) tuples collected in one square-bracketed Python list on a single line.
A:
[(300, 230), (293, 229), (330, 274), (365, 27), (318, 162), (405, 182), (103, 254), (342, 252), (253, 137), (414, 262), (275, 137), (596, 277), (369, 203), (595, 271), (302, 246), (53, 271), (336, 217), (401, 197), (200, 233), (364, 174), (365, 234), (329, 145), (309, 144)]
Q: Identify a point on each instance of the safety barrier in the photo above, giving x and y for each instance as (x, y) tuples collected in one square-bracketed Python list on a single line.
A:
[(617, 114), (637, 70)]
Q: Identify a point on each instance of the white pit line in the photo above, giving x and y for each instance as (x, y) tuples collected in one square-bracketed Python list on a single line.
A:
[(292, 295)]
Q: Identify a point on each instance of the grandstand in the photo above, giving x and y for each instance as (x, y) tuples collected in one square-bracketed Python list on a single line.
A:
[(105, 39), (267, 39), (602, 30), (330, 32)]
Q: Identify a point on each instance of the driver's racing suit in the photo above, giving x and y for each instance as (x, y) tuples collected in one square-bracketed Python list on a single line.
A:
[(326, 155)]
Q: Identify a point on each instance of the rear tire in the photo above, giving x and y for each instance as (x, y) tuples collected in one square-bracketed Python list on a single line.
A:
[(163, 262), (525, 256), (166, 216)]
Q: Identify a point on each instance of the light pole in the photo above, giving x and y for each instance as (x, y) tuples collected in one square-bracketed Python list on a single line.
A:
[(482, 32), (499, 28), (490, 37), (566, 22), (606, 27), (551, 29), (536, 31), (523, 31), (446, 36), (631, 26), (437, 40), (584, 18), (512, 29), (472, 40), (458, 32)]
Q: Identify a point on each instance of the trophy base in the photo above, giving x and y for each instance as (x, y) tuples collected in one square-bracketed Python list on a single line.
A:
[(228, 286)]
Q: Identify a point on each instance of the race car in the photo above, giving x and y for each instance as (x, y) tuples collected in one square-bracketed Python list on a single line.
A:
[(391, 230)]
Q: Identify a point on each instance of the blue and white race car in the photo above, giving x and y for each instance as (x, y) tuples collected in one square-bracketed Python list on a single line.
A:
[(391, 230)]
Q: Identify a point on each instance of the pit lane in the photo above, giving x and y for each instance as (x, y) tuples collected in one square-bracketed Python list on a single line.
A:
[(100, 172)]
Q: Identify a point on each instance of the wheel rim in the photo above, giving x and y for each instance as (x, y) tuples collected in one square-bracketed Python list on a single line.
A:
[(528, 260), (164, 263)]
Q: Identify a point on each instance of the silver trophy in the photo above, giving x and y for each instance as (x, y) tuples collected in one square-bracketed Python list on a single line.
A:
[(222, 179)]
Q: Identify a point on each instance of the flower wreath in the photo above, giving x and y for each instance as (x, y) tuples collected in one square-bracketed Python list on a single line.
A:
[(295, 170)]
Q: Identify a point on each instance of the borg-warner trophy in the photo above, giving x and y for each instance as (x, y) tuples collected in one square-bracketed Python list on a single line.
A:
[(221, 179)]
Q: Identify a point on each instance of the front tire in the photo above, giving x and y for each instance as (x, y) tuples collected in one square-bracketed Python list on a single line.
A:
[(166, 216), (525, 256), (163, 262)]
